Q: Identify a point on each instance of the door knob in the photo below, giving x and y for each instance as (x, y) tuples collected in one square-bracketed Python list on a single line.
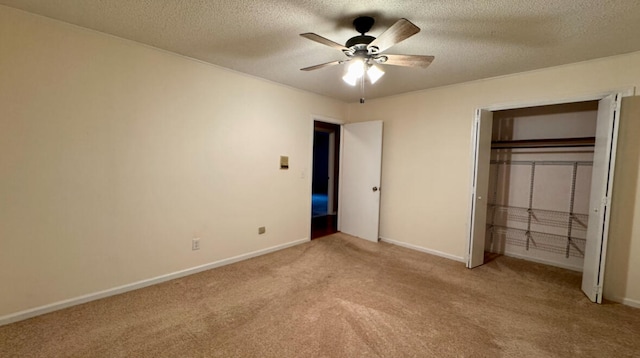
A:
[(375, 188)]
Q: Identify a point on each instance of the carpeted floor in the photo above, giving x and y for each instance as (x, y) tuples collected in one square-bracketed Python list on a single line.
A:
[(341, 297)]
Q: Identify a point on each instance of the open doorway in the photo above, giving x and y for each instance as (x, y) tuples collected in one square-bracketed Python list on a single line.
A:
[(324, 193)]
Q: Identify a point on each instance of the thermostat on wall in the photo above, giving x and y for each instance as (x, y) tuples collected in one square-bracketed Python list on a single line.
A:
[(284, 162)]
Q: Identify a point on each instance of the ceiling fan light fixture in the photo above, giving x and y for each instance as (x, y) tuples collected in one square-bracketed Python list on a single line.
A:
[(374, 73), (354, 72), (350, 79), (356, 67)]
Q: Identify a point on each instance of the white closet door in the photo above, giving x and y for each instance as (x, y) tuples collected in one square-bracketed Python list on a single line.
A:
[(361, 166), (481, 164), (600, 198)]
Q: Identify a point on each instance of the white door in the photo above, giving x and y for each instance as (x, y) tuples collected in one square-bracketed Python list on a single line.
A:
[(359, 202), (604, 157), (480, 186)]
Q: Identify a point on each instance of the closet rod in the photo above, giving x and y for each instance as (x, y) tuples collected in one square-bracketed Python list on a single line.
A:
[(541, 162), (544, 143)]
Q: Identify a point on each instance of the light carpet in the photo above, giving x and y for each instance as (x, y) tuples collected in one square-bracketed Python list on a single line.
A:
[(340, 296)]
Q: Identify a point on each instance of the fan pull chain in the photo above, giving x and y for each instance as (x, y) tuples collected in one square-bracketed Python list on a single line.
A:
[(362, 87)]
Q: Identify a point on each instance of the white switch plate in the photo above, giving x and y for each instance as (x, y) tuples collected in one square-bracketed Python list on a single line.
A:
[(195, 244)]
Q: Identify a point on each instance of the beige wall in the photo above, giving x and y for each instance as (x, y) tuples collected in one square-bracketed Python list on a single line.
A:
[(114, 155), (426, 158), (623, 260)]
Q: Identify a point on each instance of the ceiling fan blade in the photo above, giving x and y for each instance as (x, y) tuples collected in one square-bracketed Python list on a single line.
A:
[(323, 40), (401, 30), (316, 67), (408, 60)]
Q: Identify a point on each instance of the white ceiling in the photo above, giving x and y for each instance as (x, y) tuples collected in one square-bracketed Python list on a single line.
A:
[(470, 39)]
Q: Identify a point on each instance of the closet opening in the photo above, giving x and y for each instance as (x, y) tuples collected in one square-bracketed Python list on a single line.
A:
[(541, 185)]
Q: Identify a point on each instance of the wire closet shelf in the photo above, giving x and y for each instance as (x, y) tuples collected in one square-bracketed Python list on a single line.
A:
[(570, 244)]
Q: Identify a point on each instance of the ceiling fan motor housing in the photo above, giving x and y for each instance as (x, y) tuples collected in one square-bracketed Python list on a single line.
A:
[(359, 40)]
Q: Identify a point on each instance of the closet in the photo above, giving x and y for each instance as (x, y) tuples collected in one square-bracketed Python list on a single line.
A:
[(539, 183)]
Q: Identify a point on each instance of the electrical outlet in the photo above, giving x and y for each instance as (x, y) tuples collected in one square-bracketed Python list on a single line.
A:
[(195, 244), (262, 230)]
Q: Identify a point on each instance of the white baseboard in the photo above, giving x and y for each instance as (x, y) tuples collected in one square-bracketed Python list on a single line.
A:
[(26, 314), (425, 250), (625, 301)]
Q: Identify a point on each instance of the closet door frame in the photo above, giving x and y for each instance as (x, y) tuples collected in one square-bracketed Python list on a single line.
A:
[(475, 150)]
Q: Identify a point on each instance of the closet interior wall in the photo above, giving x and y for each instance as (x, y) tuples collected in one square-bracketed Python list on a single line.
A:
[(539, 184)]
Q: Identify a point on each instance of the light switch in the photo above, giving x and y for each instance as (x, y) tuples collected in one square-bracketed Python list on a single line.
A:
[(284, 162)]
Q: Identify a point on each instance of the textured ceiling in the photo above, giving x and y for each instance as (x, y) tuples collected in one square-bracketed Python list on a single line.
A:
[(470, 39)]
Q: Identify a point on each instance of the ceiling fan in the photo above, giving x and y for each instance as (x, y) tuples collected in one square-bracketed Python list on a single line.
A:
[(366, 51)]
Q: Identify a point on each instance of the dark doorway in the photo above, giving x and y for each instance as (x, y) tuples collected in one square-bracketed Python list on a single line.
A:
[(324, 194)]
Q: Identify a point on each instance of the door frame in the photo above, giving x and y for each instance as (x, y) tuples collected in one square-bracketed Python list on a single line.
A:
[(330, 120), (625, 92)]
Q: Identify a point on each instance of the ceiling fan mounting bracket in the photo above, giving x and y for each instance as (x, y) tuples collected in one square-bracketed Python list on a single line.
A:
[(363, 24)]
